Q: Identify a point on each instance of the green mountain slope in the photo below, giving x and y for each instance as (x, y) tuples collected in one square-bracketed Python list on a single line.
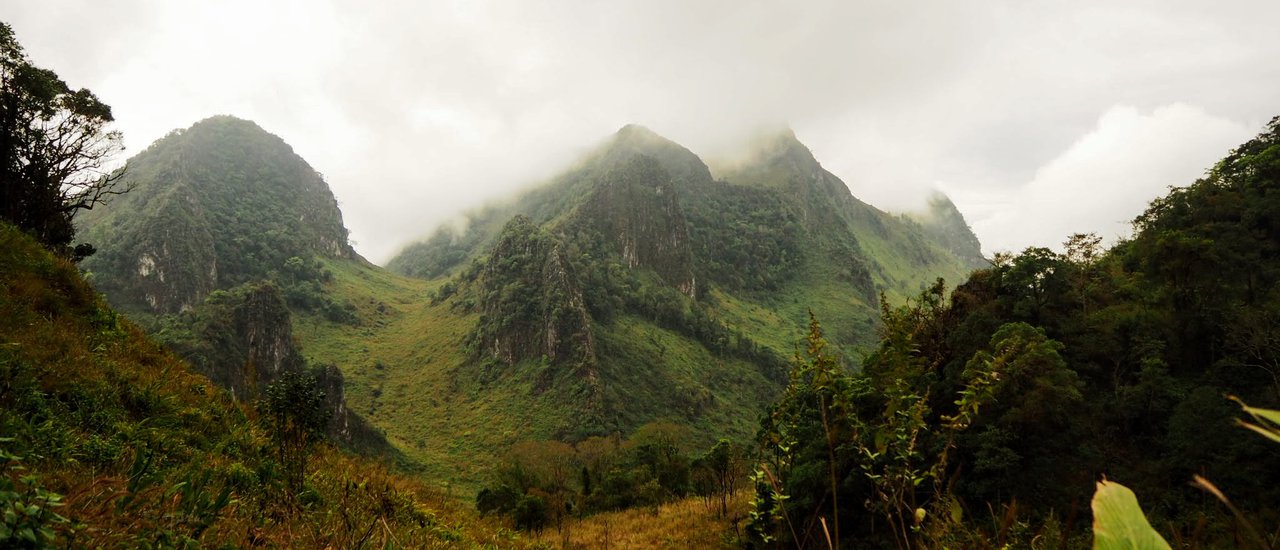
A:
[(211, 207), (776, 230), (110, 441), (635, 287), (215, 247), (943, 221)]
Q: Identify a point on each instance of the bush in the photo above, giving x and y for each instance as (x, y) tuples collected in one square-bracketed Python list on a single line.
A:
[(531, 513), (27, 519), (501, 500)]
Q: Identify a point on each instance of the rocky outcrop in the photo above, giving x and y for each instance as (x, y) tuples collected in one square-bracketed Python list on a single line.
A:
[(637, 210), (243, 340), (176, 265), (531, 301)]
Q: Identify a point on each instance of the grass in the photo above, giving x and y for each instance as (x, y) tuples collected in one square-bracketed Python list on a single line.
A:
[(687, 523), (407, 372), (146, 452), (405, 369)]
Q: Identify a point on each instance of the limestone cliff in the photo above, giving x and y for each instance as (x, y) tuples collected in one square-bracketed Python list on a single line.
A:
[(531, 301), (243, 340), (637, 210)]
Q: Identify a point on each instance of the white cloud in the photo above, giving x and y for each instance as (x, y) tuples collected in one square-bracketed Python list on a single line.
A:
[(1105, 179), (417, 110)]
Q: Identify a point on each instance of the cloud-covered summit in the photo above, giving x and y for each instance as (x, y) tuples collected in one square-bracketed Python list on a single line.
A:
[(415, 111)]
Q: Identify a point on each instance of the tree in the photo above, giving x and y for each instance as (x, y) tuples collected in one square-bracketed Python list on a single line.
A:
[(295, 412), (54, 147), (724, 463)]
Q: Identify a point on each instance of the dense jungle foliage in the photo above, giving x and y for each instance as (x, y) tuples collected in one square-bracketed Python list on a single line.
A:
[(1001, 402)]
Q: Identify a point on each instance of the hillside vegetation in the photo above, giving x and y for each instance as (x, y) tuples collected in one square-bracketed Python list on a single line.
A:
[(633, 288), (1003, 401), (112, 442), (637, 287)]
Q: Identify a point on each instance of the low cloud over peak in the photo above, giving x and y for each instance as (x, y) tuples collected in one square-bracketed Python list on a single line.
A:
[(416, 111)]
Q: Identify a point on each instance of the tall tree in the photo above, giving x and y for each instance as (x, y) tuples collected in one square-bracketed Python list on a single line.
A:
[(54, 148)]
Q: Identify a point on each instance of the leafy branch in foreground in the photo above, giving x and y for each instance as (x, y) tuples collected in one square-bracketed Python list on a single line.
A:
[(54, 149), (1118, 521), (27, 519)]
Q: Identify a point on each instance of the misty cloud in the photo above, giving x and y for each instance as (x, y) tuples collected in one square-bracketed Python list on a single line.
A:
[(1105, 179), (415, 111)]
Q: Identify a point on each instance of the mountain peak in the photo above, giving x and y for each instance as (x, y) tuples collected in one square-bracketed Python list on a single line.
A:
[(944, 222), (783, 144), (636, 130), (635, 136), (213, 206), (635, 140), (226, 120)]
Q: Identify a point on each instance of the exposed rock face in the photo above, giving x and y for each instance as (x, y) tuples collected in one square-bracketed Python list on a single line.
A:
[(244, 341), (262, 324), (346, 426), (566, 326), (532, 304), (177, 265), (637, 209)]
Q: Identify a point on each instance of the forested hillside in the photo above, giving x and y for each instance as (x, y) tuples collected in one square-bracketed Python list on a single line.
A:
[(1002, 401), (634, 288), (214, 248), (110, 441), (643, 346), (777, 232), (625, 316), (637, 287), (210, 207)]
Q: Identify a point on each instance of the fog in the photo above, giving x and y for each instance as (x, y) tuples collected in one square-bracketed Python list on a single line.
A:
[(1039, 119)]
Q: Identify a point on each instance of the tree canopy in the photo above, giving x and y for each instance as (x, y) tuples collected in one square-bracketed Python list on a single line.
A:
[(54, 150)]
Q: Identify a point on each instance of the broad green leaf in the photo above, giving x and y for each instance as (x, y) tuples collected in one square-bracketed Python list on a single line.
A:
[(1272, 416), (1271, 434), (957, 513), (1118, 522)]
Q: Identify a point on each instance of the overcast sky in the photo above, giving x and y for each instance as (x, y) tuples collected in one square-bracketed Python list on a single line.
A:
[(1039, 119)]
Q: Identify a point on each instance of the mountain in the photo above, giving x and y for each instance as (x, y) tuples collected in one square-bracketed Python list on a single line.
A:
[(111, 441), (220, 231), (211, 207), (776, 224), (943, 221), (637, 286), (642, 285)]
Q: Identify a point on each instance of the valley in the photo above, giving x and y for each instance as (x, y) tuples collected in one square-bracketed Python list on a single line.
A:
[(641, 346), (697, 332)]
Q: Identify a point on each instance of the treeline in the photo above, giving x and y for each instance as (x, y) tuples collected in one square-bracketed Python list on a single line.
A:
[(544, 483), (986, 414)]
